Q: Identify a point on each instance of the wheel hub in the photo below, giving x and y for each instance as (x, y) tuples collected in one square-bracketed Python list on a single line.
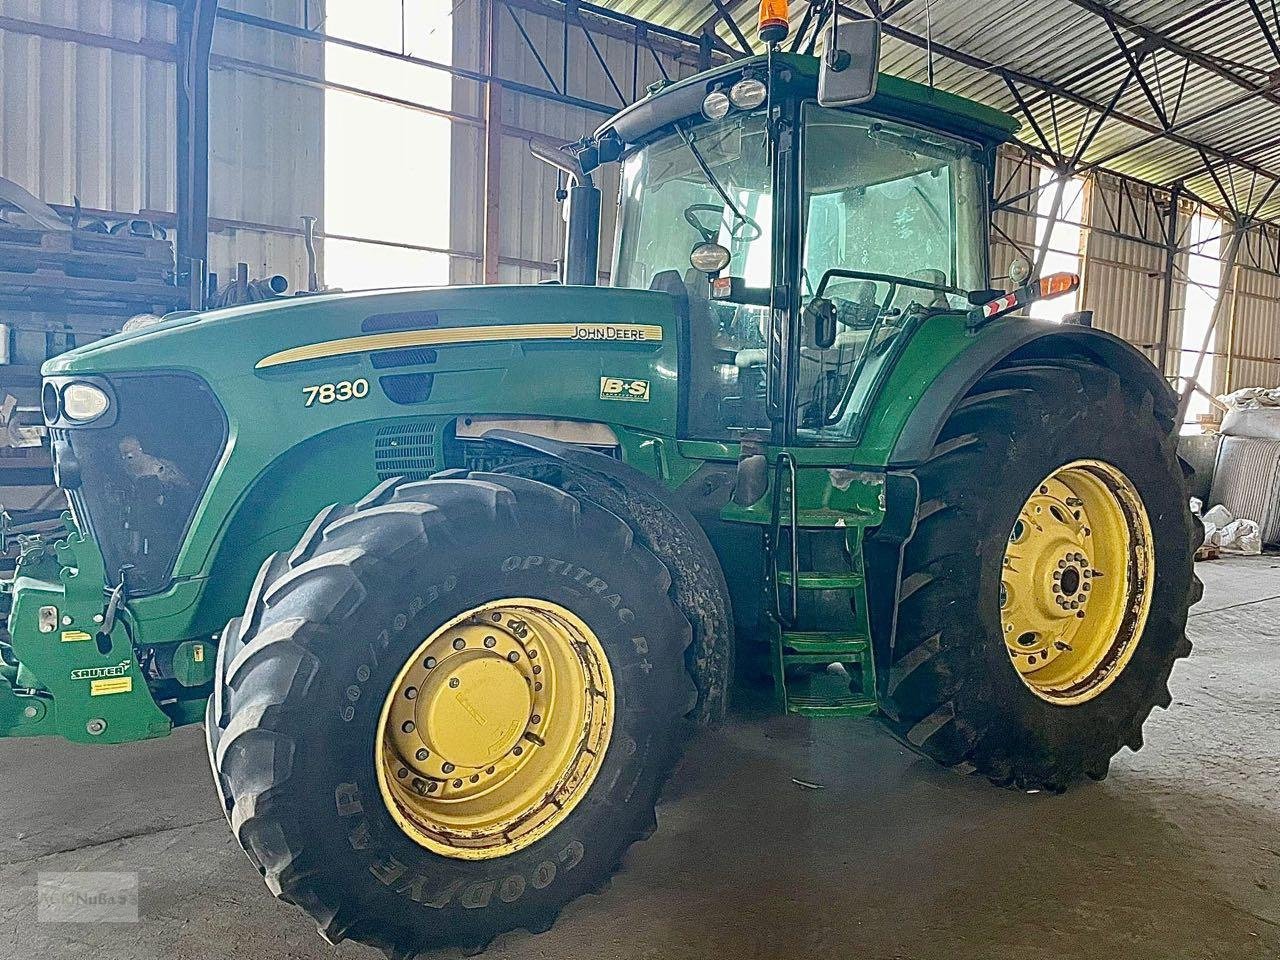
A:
[(1074, 591), (495, 728), (473, 712)]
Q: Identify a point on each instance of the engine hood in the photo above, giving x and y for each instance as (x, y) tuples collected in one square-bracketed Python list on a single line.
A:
[(544, 350)]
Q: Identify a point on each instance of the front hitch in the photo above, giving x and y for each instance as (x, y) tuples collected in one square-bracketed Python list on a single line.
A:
[(66, 669)]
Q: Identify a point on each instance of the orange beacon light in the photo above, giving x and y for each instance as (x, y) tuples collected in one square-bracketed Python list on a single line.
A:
[(775, 21)]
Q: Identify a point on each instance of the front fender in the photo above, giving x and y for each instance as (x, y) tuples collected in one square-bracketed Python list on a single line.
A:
[(670, 532)]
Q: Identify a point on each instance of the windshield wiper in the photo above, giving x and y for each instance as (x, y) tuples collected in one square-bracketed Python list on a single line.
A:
[(739, 217)]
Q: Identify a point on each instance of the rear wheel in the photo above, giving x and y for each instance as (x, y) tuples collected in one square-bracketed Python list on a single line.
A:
[(449, 711), (1045, 592)]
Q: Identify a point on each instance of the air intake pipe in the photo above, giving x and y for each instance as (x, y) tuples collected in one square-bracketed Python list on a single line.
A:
[(582, 220)]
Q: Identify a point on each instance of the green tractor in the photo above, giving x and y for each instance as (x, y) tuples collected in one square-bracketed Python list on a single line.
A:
[(486, 552)]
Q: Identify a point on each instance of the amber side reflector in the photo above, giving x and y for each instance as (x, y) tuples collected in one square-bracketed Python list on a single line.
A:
[(775, 20), (1056, 284)]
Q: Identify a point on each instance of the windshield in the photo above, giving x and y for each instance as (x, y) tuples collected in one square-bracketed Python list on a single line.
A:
[(705, 182)]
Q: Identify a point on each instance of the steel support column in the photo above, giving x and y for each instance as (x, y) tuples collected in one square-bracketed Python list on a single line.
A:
[(1172, 249), (1227, 276), (196, 19), (492, 148)]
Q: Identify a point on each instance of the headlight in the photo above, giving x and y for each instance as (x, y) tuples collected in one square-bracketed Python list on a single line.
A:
[(717, 105), (83, 402), (748, 94), (709, 258)]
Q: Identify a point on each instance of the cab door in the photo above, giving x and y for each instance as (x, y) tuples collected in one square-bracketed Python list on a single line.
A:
[(893, 220)]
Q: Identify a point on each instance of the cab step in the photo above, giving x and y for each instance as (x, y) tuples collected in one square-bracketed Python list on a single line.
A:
[(823, 580), (803, 646), (824, 673), (847, 706)]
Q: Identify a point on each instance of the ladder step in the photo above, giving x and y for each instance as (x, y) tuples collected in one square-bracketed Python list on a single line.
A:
[(851, 706), (813, 646), (822, 580)]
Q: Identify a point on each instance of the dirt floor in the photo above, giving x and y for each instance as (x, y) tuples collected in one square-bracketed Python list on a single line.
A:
[(1176, 855)]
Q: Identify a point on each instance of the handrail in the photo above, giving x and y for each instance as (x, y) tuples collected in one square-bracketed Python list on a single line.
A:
[(794, 527)]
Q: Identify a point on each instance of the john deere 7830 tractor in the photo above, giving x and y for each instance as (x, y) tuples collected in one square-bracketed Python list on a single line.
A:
[(486, 551)]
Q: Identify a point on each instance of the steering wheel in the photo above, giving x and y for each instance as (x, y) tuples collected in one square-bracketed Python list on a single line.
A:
[(709, 234)]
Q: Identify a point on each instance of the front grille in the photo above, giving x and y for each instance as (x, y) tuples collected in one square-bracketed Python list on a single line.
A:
[(143, 475), (409, 450)]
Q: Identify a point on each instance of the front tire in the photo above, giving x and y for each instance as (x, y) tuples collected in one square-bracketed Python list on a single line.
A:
[(985, 674), (314, 759)]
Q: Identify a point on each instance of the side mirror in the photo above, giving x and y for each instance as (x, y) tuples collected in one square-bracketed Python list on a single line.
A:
[(851, 64), (821, 314)]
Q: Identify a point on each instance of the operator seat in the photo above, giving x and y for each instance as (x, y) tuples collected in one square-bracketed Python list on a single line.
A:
[(928, 298)]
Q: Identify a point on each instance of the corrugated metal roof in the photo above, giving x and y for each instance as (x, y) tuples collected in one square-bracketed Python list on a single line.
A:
[(1208, 65)]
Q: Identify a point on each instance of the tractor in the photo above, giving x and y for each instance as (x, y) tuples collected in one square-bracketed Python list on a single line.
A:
[(448, 573)]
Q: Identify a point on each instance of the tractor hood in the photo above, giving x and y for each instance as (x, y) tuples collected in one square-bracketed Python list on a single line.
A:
[(543, 350)]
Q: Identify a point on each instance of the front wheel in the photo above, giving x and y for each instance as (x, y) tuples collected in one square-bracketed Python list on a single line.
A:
[(449, 711), (1045, 593)]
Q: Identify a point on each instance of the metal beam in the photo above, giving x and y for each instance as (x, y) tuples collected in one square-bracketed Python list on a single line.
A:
[(1265, 28), (738, 35), (196, 19), (1154, 36)]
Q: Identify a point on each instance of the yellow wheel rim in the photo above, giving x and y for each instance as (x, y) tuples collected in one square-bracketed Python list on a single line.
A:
[(495, 728), (1075, 589)]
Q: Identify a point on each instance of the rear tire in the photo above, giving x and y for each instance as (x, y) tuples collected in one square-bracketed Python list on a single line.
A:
[(303, 675), (952, 692)]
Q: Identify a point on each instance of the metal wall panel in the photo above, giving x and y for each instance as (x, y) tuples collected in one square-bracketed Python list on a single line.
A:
[(1252, 324), (1124, 267), (1013, 232), (530, 220), (88, 111)]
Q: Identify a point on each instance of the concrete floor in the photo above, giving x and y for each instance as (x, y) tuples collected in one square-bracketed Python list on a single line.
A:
[(1177, 855)]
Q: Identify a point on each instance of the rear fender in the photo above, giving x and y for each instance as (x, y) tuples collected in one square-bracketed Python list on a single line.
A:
[(1025, 339)]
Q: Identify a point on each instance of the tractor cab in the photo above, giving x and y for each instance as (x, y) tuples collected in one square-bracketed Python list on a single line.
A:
[(802, 239)]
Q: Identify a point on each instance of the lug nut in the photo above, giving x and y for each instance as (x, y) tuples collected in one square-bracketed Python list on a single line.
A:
[(411, 692), (454, 682), (408, 726), (422, 754), (513, 656), (429, 663), (447, 767), (490, 641), (459, 644)]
